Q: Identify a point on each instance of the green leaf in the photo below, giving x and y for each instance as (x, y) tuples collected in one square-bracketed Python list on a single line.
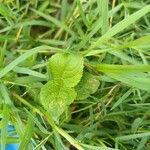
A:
[(28, 71), (88, 85), (104, 14), (67, 67), (55, 97), (21, 58), (122, 98), (123, 68), (133, 136), (132, 80), (6, 11), (5, 121), (54, 21), (25, 141), (121, 26)]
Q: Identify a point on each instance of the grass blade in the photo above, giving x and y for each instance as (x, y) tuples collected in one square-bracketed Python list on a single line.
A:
[(39, 146), (80, 9), (21, 58), (121, 99), (133, 136), (55, 21), (5, 115), (27, 135), (130, 80), (4, 130), (123, 68), (29, 72), (104, 15), (121, 26)]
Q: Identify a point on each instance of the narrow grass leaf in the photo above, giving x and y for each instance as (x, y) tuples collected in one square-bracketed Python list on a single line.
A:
[(104, 16), (55, 21), (64, 5), (58, 143), (4, 130), (17, 122), (5, 95), (142, 143), (123, 68), (53, 42), (26, 23), (123, 56), (69, 138), (37, 123), (136, 124), (2, 54), (80, 9), (29, 72), (132, 81), (5, 115), (122, 98), (138, 43), (25, 141), (7, 37), (133, 136), (121, 26), (39, 146), (21, 58), (91, 147), (113, 11), (5, 11)]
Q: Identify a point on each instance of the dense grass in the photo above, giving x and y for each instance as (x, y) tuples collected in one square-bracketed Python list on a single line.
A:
[(114, 39)]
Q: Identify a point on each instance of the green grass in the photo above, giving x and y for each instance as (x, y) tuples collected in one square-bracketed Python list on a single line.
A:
[(113, 37)]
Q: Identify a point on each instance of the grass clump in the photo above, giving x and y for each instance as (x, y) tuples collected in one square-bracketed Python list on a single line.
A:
[(75, 74)]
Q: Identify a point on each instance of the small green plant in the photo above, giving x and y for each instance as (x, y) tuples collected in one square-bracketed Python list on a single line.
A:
[(66, 71)]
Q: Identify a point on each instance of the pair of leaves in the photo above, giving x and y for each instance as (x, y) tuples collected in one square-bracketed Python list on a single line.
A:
[(66, 71)]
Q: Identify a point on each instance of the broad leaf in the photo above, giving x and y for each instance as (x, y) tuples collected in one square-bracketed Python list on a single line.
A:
[(88, 85), (55, 97), (67, 67)]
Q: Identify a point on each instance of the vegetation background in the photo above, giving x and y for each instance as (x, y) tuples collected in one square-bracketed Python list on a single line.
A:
[(113, 36)]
